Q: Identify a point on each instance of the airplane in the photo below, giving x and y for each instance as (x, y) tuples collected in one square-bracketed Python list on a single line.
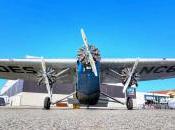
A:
[(88, 72)]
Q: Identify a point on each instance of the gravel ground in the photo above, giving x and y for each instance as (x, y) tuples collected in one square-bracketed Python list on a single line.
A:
[(86, 119)]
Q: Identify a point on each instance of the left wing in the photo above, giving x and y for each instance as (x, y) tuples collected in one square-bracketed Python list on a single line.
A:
[(28, 69), (147, 69)]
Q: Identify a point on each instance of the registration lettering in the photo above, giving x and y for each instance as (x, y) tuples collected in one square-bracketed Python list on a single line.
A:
[(157, 69), (17, 69)]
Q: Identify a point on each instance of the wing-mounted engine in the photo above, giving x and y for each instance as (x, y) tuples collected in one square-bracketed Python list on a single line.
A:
[(51, 74), (128, 76), (125, 73), (83, 57)]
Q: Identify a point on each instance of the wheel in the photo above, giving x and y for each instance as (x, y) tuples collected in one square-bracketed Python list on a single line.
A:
[(129, 103), (47, 103)]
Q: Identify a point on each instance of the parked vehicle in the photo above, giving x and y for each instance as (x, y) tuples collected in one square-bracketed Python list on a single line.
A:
[(2, 101), (171, 103)]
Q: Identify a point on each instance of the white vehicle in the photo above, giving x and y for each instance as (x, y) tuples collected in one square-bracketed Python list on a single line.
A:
[(171, 103), (4, 100)]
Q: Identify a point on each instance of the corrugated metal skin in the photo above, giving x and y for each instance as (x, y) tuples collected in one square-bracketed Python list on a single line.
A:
[(113, 91), (69, 88), (28, 86), (57, 88)]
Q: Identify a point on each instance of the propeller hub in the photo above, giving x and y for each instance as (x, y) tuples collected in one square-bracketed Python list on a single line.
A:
[(83, 55), (50, 73)]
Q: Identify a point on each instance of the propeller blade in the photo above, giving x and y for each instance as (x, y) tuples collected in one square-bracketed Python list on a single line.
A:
[(90, 57), (92, 62), (130, 76), (45, 76), (84, 39)]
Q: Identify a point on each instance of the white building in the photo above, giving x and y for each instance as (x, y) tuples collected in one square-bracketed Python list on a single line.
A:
[(26, 93)]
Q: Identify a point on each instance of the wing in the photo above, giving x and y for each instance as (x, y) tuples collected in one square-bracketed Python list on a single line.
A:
[(148, 69), (28, 69)]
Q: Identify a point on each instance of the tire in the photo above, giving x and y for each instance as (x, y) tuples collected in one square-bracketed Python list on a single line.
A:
[(47, 103), (129, 103)]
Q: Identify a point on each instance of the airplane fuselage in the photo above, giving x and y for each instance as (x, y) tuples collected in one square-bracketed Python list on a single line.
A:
[(88, 85)]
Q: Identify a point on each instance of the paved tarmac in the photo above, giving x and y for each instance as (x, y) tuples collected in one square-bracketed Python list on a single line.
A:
[(86, 119)]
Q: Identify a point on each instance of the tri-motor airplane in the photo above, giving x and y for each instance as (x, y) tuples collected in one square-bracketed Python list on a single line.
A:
[(88, 72)]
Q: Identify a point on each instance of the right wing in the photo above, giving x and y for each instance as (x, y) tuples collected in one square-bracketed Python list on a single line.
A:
[(27, 69), (148, 69)]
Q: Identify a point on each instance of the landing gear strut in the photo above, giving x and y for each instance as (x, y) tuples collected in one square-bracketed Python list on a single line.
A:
[(47, 103), (129, 103)]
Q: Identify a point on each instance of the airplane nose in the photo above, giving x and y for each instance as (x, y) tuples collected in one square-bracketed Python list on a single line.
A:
[(89, 99)]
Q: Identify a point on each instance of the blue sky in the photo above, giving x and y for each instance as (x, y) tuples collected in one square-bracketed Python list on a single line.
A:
[(119, 28)]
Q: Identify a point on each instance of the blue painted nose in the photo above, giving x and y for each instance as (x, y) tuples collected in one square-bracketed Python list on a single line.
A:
[(87, 82)]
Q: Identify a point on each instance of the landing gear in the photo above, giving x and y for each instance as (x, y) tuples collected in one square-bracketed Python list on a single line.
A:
[(129, 103), (47, 103), (48, 76)]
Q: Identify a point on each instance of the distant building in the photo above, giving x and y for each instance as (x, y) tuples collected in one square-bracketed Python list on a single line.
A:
[(144, 98), (171, 93)]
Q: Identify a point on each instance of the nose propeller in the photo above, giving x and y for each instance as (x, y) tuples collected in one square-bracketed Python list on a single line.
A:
[(88, 53)]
